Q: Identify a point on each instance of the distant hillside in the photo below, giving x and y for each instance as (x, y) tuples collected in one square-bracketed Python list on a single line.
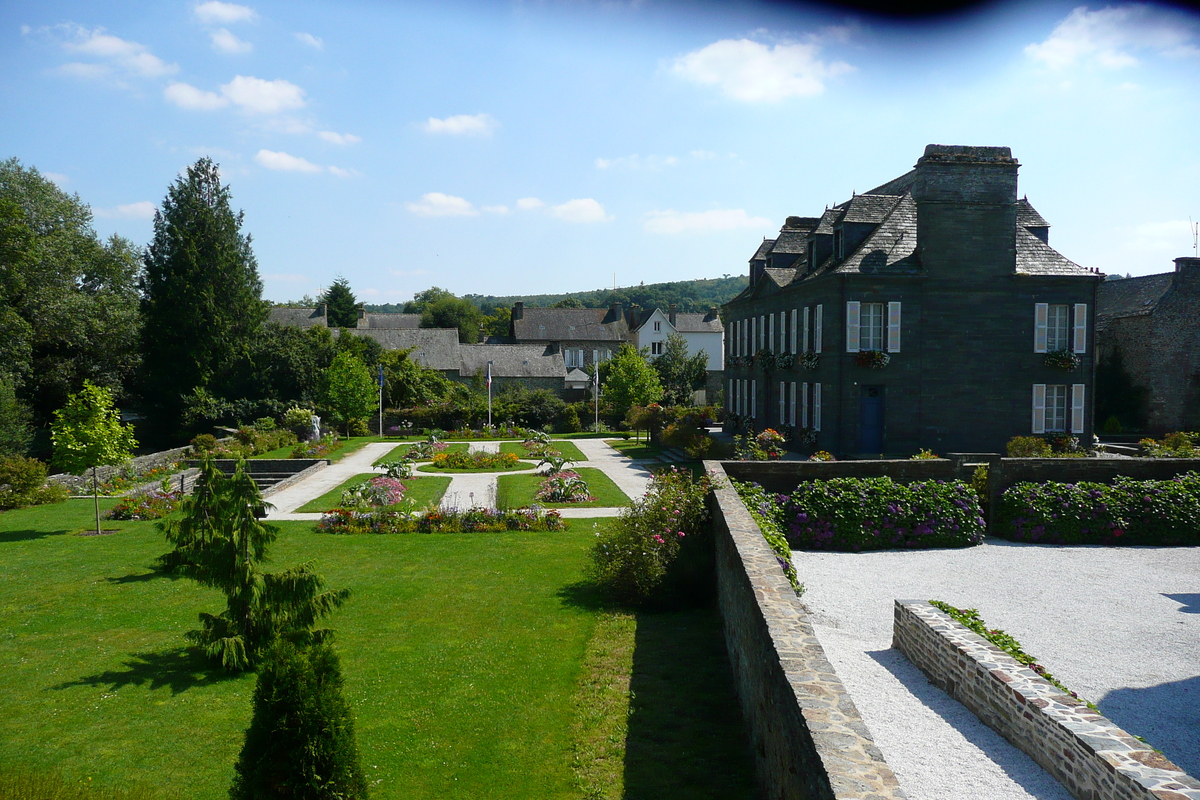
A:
[(698, 295)]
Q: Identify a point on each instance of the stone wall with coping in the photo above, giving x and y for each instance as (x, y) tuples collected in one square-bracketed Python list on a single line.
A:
[(1005, 472), (82, 484), (1082, 749), (808, 738)]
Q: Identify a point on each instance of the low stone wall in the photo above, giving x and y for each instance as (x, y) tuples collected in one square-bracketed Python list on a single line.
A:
[(808, 737), (785, 476), (1083, 750), (315, 465), (80, 484), (1005, 472)]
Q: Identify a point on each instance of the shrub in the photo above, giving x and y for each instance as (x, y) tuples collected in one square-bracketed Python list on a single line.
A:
[(1028, 447), (657, 550), (316, 448), (358, 427), (878, 513), (23, 483), (923, 454), (148, 505), (694, 441), (1180, 444), (763, 508), (264, 424), (564, 486), (822, 455), (298, 420), (300, 743), (203, 443), (473, 520), (568, 422), (1127, 512)]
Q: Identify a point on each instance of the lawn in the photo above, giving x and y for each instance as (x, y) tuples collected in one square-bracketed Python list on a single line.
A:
[(423, 492), (470, 663), (568, 449), (515, 491), (631, 448), (346, 446), (398, 452)]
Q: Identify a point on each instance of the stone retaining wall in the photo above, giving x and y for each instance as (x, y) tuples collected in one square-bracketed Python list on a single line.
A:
[(784, 476), (1007, 471), (315, 465), (1083, 750), (808, 738), (82, 484)]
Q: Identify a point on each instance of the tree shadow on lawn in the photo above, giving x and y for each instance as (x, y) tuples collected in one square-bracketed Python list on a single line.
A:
[(153, 574), (25, 536), (178, 669)]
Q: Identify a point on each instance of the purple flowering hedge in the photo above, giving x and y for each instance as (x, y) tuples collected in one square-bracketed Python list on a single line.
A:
[(1126, 512), (852, 514)]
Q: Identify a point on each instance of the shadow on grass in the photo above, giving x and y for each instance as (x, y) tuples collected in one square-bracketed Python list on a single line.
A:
[(25, 536), (153, 574), (179, 669)]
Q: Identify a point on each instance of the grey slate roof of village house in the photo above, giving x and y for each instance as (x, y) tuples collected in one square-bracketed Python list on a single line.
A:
[(782, 277), (763, 250), (869, 208), (899, 185), (791, 241), (391, 321), (296, 317), (1130, 297), (1028, 217), (1035, 257), (890, 247), (698, 323), (511, 361), (569, 324), (828, 220), (436, 348)]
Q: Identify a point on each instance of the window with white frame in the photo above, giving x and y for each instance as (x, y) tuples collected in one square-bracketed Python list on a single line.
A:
[(1059, 326), (1058, 408), (870, 326), (657, 326), (656, 348)]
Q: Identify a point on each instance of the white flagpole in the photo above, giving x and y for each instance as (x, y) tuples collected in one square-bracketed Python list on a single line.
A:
[(596, 395), (489, 385), (381, 400)]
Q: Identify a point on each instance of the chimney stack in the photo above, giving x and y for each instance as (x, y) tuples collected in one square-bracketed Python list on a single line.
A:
[(1187, 271), (322, 310), (518, 310), (671, 311)]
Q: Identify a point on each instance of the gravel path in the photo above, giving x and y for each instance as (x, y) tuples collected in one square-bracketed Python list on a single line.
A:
[(1120, 626)]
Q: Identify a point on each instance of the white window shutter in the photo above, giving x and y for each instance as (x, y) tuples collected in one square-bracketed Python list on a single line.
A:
[(1039, 408), (762, 332), (1077, 391), (852, 311), (1080, 328), (771, 330), (729, 399), (816, 406), (804, 405), (792, 349), (754, 398), (792, 406), (1041, 313), (782, 403), (804, 320), (817, 330), (893, 341)]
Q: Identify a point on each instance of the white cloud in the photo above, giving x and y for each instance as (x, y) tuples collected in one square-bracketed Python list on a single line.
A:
[(130, 57), (584, 210), (310, 40), (463, 125), (339, 138), (529, 203), (283, 161), (344, 173), (226, 42), (496, 209), (703, 155), (636, 161), (57, 177), (436, 204), (143, 210), (89, 72), (187, 96), (215, 12), (1109, 36), (263, 97), (754, 72), (671, 222)]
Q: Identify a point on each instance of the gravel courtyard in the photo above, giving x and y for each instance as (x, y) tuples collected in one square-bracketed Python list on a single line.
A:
[(1121, 627)]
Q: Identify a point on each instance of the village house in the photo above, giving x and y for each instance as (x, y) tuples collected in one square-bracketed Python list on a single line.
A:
[(930, 312)]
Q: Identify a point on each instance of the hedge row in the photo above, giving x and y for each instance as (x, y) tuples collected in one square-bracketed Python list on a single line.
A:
[(1125, 512)]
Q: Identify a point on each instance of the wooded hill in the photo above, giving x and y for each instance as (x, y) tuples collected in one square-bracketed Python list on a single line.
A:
[(690, 296)]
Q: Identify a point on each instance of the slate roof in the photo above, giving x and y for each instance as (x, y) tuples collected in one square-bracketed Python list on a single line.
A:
[(890, 248), (569, 324), (436, 348), (701, 323), (869, 208), (828, 220), (1028, 217), (1131, 297), (576, 375), (763, 250), (782, 277), (791, 240), (297, 317), (511, 361), (391, 321), (899, 185), (1035, 257)]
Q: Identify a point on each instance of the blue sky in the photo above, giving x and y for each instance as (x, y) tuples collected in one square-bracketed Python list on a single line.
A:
[(527, 147)]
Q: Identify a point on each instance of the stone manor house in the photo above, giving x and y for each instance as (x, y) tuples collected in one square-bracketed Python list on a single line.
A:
[(930, 312)]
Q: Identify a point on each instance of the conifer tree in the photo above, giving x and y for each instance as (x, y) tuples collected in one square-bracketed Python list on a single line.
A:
[(341, 308), (201, 293), (300, 743)]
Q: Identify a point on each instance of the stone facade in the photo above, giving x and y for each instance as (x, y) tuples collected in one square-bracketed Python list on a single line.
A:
[(945, 275), (809, 739), (1082, 749), (1152, 321)]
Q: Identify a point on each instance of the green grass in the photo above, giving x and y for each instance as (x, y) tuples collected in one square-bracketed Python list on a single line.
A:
[(636, 450), (396, 453), (515, 491), (568, 449), (422, 491), (520, 466), (346, 446)]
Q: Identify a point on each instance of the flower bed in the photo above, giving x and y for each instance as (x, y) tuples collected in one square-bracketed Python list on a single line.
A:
[(853, 514), (1126, 512), (473, 520), (564, 486), (150, 505), (762, 509), (316, 448), (476, 460)]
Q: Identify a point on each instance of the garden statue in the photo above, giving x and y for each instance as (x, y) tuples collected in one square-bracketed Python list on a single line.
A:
[(316, 427)]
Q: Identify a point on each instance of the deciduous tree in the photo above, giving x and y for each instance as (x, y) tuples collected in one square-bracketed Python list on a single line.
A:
[(630, 381), (347, 390), (454, 312), (88, 434)]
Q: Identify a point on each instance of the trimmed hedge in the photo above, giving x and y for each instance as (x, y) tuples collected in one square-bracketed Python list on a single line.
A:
[(1126, 512), (853, 514)]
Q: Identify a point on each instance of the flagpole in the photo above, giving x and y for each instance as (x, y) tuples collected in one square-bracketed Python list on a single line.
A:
[(596, 396), (381, 399), (489, 385)]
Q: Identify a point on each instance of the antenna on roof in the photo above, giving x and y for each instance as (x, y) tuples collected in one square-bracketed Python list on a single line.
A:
[(1195, 236)]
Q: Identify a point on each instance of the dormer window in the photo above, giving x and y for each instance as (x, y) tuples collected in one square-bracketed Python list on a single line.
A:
[(839, 243)]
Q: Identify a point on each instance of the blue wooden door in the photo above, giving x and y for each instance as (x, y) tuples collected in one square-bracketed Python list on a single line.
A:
[(870, 424)]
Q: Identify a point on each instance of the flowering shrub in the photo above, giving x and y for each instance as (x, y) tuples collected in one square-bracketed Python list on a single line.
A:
[(656, 549), (1062, 359), (1051, 445), (378, 491), (150, 505), (472, 520), (810, 360), (1127, 512), (822, 455), (785, 360), (771, 442), (316, 448), (873, 359), (923, 454), (878, 513), (763, 508), (23, 483), (1180, 444), (765, 359), (476, 460), (564, 486)]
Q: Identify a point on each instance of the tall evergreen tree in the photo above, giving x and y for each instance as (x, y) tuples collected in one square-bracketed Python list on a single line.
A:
[(341, 306), (679, 373), (201, 293)]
